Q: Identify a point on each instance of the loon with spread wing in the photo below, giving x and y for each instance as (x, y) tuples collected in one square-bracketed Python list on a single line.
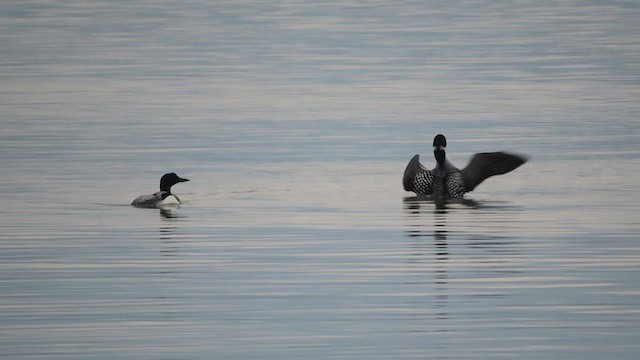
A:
[(447, 181)]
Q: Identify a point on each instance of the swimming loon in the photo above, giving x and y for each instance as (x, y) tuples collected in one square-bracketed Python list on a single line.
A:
[(447, 181), (162, 197)]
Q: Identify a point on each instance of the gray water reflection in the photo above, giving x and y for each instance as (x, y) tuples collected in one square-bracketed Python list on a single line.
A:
[(294, 121), (487, 274), (460, 258), (169, 235), (415, 208)]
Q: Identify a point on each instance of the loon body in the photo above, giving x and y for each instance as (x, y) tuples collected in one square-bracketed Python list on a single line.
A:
[(447, 181), (164, 197)]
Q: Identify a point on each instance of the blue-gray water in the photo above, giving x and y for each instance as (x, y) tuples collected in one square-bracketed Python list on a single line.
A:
[(294, 121)]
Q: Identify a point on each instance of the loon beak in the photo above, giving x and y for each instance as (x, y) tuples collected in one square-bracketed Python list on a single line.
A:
[(183, 180)]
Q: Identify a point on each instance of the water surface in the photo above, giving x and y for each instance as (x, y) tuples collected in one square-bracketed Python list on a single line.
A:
[(294, 121)]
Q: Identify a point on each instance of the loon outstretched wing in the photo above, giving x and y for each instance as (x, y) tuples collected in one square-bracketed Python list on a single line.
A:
[(410, 172), (416, 178), (484, 165)]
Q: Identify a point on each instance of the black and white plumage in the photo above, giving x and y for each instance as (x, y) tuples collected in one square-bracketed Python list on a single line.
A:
[(164, 197), (447, 181)]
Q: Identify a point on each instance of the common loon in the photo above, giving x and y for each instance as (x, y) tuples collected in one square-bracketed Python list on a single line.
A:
[(162, 197), (447, 181)]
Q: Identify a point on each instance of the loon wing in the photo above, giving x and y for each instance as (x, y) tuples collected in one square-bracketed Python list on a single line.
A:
[(145, 201), (149, 200), (416, 178), (413, 168), (484, 165)]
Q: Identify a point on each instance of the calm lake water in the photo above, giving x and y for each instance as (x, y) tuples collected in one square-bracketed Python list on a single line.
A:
[(294, 121)]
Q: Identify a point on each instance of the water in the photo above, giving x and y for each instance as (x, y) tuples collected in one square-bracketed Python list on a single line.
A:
[(294, 121)]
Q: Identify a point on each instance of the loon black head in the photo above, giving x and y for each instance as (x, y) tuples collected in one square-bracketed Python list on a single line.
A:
[(439, 143), (168, 180)]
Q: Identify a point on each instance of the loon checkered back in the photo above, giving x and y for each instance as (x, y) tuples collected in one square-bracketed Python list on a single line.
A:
[(447, 181)]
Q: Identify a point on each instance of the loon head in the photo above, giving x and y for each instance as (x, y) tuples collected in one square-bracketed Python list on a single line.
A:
[(439, 143), (168, 180)]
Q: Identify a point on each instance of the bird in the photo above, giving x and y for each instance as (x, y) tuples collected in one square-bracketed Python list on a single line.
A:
[(164, 196), (446, 181)]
